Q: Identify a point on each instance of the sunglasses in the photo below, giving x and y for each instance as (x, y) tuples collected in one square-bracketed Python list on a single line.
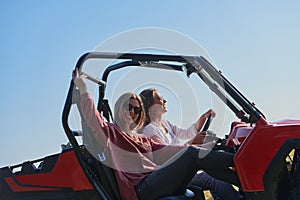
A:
[(136, 109)]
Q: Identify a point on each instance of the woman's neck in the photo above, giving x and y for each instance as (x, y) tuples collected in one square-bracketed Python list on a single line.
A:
[(157, 119), (129, 132), (158, 122), (127, 129)]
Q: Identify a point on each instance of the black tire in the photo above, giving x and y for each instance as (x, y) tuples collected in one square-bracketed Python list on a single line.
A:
[(296, 186)]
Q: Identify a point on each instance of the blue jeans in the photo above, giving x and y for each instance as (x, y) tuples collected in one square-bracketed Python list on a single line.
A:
[(175, 175)]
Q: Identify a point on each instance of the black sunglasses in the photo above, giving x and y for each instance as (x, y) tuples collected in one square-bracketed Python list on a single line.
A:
[(136, 109)]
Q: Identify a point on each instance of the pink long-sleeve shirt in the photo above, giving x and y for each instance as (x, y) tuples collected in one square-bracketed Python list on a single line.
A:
[(132, 157)]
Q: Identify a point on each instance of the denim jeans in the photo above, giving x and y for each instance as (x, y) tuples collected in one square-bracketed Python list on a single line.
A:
[(174, 176)]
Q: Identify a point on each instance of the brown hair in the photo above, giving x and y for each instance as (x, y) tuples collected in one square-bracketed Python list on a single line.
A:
[(147, 97), (118, 110)]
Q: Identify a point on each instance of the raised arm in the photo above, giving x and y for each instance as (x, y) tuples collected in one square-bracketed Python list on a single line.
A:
[(100, 128)]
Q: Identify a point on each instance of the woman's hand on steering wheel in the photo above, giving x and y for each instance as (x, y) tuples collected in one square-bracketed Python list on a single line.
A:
[(208, 117), (207, 122)]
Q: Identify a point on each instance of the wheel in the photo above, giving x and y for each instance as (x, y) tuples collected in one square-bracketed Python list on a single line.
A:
[(296, 184)]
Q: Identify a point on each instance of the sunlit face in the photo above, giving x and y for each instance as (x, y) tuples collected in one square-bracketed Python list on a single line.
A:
[(131, 112), (159, 104)]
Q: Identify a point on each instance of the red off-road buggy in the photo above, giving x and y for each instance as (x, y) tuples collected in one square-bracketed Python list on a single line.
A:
[(266, 154)]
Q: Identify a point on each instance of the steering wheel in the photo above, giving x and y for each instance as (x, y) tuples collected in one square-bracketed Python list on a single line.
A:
[(207, 123)]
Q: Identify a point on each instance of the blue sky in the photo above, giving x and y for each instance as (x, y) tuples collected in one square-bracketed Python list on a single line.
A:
[(255, 43)]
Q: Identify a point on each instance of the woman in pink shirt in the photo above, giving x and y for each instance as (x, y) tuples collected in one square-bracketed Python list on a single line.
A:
[(146, 169)]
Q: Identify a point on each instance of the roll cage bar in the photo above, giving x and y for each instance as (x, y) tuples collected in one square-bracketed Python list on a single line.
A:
[(213, 78), (189, 64)]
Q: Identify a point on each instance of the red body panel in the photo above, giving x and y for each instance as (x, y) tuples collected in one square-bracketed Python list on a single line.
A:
[(67, 173), (238, 133), (256, 152)]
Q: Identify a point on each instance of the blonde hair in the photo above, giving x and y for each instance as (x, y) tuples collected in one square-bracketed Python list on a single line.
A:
[(123, 101)]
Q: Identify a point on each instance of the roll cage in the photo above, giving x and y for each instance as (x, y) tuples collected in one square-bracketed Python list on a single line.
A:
[(214, 79)]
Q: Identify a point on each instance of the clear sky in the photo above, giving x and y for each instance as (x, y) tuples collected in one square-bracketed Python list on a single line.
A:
[(255, 43)]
